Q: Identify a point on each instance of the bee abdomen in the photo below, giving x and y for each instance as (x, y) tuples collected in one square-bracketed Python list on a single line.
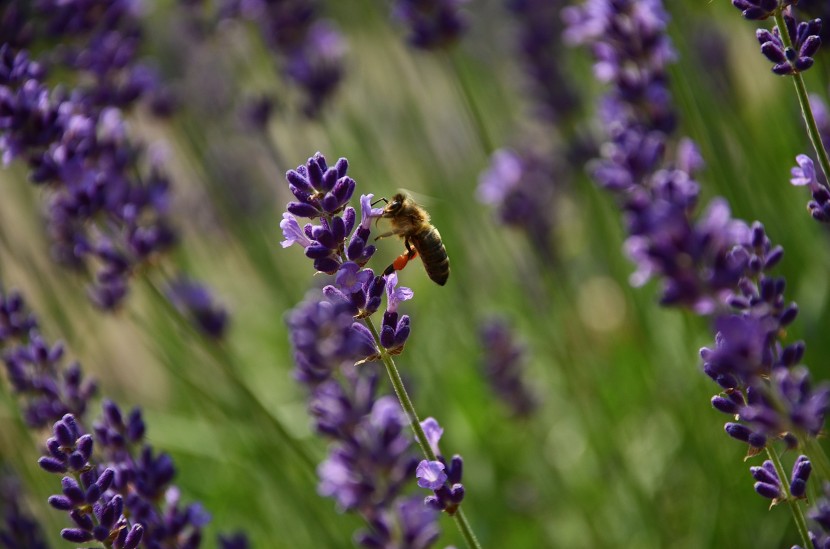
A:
[(433, 254)]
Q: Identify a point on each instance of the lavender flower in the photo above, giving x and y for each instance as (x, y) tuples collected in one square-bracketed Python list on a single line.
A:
[(47, 388), (116, 488), (417, 524), (804, 174), (325, 336), (503, 365), (371, 459), (432, 24), (758, 9), (820, 513), (442, 478), (106, 212), (237, 540), (97, 515), (18, 529), (194, 301), (523, 188), (309, 50), (798, 58), (539, 31), (395, 329), (768, 483), (716, 265)]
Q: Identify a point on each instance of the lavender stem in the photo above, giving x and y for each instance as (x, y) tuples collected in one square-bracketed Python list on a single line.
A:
[(798, 513), (223, 359), (472, 107), (406, 403), (804, 101)]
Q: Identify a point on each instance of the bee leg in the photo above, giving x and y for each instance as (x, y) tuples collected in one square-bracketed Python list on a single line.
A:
[(401, 261)]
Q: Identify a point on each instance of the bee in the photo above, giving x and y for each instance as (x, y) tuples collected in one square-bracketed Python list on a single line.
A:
[(411, 222)]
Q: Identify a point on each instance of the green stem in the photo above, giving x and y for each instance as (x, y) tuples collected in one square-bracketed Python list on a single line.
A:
[(817, 457), (804, 101), (798, 513), (406, 403), (472, 106), (222, 357), (403, 396)]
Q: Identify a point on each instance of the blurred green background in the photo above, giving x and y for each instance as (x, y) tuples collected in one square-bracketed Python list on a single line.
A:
[(625, 450)]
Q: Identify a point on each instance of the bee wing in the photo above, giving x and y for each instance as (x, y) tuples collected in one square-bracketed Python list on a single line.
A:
[(421, 199)]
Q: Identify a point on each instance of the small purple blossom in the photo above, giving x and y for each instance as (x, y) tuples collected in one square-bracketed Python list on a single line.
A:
[(434, 432), (804, 174), (442, 478), (292, 232), (395, 328), (430, 474)]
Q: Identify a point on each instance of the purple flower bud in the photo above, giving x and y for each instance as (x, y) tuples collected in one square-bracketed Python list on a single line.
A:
[(430, 474)]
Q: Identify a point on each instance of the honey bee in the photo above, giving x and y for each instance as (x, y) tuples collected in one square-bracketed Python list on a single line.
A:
[(411, 222)]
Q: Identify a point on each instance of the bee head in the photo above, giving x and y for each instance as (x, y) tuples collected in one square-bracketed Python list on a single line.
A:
[(394, 205)]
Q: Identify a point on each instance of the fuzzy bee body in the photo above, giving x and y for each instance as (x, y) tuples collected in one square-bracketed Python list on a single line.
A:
[(411, 222)]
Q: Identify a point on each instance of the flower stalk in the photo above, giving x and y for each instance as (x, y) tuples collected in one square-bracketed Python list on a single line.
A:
[(795, 508), (411, 414), (804, 101)]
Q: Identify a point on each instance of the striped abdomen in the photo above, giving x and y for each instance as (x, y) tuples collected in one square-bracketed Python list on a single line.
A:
[(428, 244)]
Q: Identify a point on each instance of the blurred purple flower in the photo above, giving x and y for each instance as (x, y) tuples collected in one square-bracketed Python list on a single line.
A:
[(503, 367), (432, 24), (194, 300), (18, 528)]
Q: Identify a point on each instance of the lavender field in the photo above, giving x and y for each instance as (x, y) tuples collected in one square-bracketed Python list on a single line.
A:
[(414, 273)]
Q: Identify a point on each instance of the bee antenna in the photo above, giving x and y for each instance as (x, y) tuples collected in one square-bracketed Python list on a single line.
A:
[(380, 200)]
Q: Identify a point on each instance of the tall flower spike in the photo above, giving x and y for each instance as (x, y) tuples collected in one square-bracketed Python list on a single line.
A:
[(371, 459), (714, 265)]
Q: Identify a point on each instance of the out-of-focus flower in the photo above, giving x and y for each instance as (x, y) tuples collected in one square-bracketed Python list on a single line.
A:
[(503, 367), (194, 301), (432, 23), (18, 528)]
